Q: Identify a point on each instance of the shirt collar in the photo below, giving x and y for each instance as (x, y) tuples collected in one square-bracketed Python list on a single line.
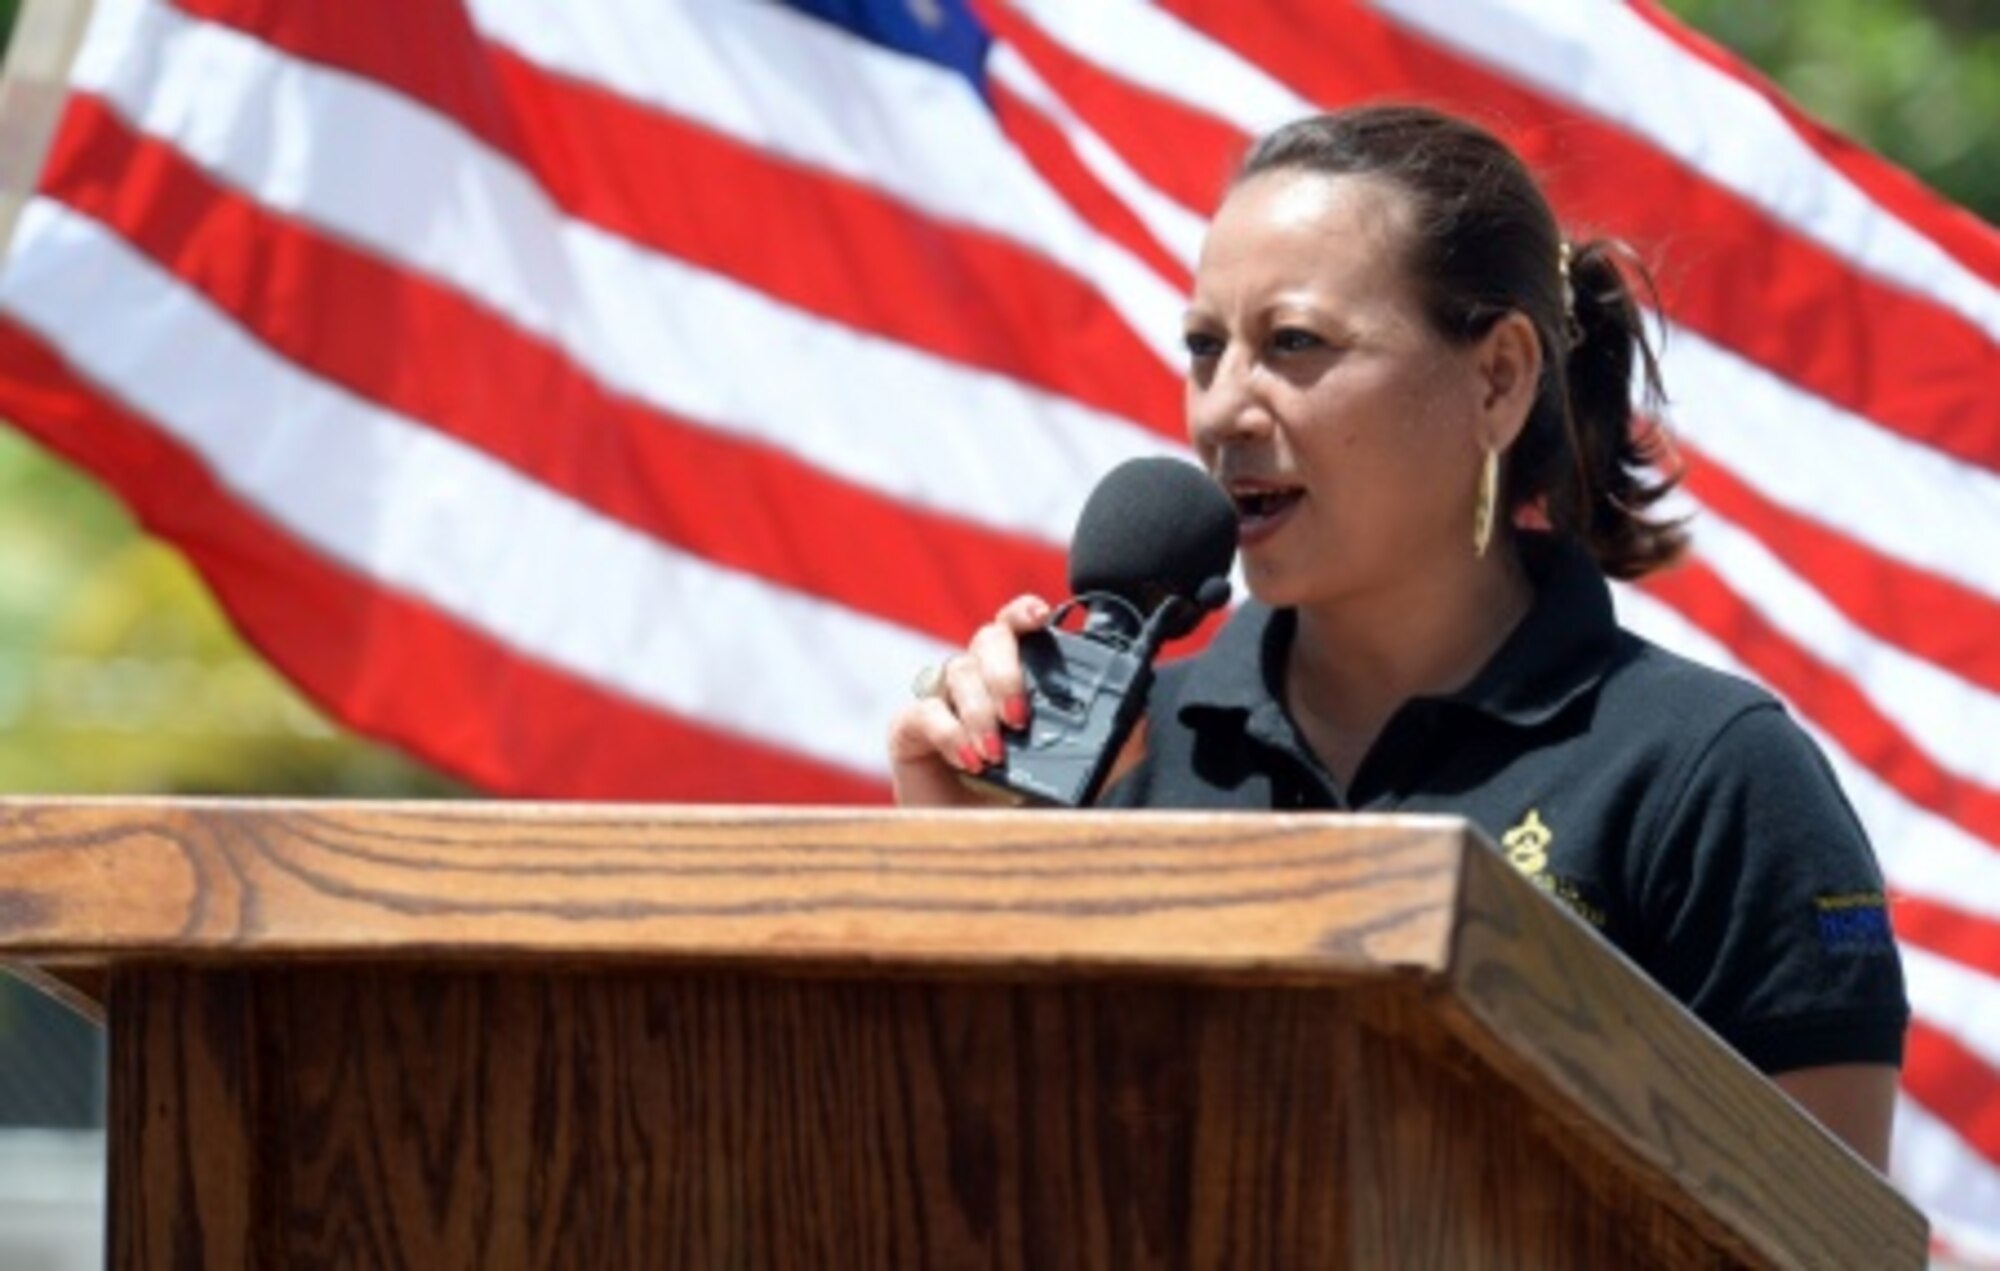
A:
[(1558, 652)]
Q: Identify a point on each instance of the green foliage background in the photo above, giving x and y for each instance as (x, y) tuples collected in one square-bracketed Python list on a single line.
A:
[(119, 674)]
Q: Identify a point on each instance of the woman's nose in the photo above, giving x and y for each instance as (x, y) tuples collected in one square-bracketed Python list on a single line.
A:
[(1226, 406)]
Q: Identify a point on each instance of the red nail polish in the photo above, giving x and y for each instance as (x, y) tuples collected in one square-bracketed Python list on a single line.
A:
[(989, 745), (1015, 711), (968, 758)]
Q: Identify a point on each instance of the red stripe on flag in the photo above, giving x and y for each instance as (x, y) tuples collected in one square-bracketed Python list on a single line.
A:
[(358, 647), (1963, 236), (1900, 359), (1954, 1085), (1045, 147), (1965, 938), (1193, 170), (428, 353), (1922, 613), (1826, 697), (813, 240)]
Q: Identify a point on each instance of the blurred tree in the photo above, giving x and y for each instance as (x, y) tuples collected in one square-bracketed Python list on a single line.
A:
[(119, 674)]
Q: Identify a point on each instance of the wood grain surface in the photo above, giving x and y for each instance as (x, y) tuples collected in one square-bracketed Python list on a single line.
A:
[(325, 1117), (1448, 1166), (1263, 896)]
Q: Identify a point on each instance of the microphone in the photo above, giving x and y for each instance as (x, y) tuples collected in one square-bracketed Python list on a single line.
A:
[(1150, 556)]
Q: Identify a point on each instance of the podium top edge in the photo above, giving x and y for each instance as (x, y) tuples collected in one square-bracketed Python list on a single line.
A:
[(1289, 897)]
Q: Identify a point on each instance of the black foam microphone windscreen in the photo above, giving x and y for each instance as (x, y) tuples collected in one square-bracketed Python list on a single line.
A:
[(1153, 528)]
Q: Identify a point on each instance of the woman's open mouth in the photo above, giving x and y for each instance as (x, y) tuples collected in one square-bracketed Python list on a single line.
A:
[(1262, 510)]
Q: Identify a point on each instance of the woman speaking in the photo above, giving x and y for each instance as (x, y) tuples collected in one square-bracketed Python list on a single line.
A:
[(1418, 397)]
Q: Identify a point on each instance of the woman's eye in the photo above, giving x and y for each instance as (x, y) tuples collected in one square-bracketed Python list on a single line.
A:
[(1294, 340), (1202, 346)]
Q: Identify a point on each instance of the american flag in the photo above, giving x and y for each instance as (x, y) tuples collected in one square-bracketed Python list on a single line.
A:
[(620, 399)]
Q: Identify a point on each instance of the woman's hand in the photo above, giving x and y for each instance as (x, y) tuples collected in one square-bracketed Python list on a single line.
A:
[(956, 730)]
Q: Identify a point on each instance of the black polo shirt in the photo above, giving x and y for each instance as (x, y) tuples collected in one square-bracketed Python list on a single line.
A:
[(1678, 810)]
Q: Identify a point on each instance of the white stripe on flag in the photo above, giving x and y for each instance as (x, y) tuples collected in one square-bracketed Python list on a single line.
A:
[(1615, 64), (421, 513), (1958, 1189)]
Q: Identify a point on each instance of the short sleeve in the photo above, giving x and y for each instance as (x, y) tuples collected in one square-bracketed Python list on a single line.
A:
[(1763, 904)]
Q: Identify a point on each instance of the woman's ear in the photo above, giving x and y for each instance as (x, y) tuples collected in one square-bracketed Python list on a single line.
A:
[(1510, 372)]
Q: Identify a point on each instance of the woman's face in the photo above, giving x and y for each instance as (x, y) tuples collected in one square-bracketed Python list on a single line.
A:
[(1319, 396)]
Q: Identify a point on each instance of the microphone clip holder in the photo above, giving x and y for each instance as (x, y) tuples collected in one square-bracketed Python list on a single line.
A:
[(1086, 689)]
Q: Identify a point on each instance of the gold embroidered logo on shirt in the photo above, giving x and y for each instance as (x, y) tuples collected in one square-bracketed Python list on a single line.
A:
[(1527, 849), (1527, 844)]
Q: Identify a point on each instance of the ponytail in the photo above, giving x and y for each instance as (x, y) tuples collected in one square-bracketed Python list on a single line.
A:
[(1621, 461)]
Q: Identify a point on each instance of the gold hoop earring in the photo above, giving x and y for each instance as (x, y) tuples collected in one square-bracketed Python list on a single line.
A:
[(1486, 510)]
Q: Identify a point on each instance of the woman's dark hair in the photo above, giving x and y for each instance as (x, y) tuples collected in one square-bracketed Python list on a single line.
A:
[(1484, 244)]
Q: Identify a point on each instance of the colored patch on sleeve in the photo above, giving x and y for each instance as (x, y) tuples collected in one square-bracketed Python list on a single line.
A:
[(1855, 922)]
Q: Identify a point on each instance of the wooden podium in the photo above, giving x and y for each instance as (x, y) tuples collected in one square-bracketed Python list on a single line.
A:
[(372, 1035)]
